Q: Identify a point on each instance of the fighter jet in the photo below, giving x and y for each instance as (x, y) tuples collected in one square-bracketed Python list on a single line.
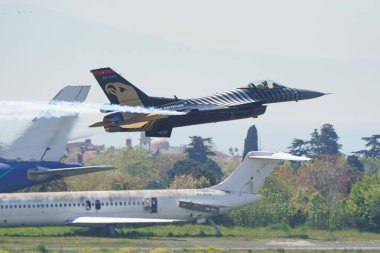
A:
[(246, 101)]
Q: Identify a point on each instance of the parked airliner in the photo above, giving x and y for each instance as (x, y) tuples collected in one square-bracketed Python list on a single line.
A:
[(33, 158), (113, 208)]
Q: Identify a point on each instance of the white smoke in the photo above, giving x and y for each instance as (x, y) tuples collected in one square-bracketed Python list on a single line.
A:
[(22, 110)]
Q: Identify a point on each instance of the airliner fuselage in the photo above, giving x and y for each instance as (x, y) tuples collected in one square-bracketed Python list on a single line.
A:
[(110, 208), (150, 206)]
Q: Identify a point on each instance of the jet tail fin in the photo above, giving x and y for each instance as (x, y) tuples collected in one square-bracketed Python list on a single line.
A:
[(46, 138), (117, 89), (120, 91), (250, 175)]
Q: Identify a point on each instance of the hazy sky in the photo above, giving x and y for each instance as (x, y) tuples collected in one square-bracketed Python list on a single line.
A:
[(196, 48)]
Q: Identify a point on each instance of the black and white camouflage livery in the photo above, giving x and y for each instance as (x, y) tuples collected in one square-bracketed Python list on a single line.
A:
[(242, 102)]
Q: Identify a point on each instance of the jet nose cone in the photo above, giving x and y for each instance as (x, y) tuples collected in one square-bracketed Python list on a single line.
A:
[(309, 94)]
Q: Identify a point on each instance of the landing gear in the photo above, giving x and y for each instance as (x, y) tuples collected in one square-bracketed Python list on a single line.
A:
[(108, 231), (217, 229), (111, 230)]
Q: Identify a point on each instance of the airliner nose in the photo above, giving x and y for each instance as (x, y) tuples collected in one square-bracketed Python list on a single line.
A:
[(309, 94)]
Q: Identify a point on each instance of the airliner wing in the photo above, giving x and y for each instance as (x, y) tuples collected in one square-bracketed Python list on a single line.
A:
[(117, 220), (42, 173), (46, 138)]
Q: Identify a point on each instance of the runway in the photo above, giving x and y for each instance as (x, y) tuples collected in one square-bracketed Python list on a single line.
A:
[(172, 244), (179, 244)]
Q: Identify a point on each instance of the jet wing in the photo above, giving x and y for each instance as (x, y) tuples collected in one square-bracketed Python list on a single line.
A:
[(129, 120), (117, 220), (42, 173)]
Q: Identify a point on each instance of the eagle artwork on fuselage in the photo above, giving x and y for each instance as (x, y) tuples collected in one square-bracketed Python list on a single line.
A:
[(243, 102)]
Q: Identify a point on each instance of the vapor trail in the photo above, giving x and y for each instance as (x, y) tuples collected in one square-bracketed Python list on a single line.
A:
[(21, 110)]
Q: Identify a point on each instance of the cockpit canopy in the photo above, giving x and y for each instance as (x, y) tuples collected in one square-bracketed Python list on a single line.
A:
[(262, 84)]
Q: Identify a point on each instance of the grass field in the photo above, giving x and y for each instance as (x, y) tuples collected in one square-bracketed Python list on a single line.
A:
[(74, 239)]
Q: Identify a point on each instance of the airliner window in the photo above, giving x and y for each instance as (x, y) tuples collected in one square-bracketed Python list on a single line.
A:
[(97, 205), (88, 205)]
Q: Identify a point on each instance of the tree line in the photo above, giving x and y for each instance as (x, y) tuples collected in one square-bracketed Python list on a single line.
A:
[(333, 191)]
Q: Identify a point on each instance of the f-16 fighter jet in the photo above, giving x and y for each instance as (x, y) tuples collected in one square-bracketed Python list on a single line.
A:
[(246, 101)]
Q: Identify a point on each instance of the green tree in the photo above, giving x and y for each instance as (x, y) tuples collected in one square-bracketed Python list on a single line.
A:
[(193, 168), (199, 148), (371, 165), (325, 142), (355, 163), (299, 147), (198, 164), (251, 141), (133, 162), (363, 203), (314, 143), (188, 182), (273, 208), (373, 144)]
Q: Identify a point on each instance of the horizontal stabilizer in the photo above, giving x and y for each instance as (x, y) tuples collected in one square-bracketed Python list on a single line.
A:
[(276, 156), (97, 124), (43, 173), (118, 220)]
